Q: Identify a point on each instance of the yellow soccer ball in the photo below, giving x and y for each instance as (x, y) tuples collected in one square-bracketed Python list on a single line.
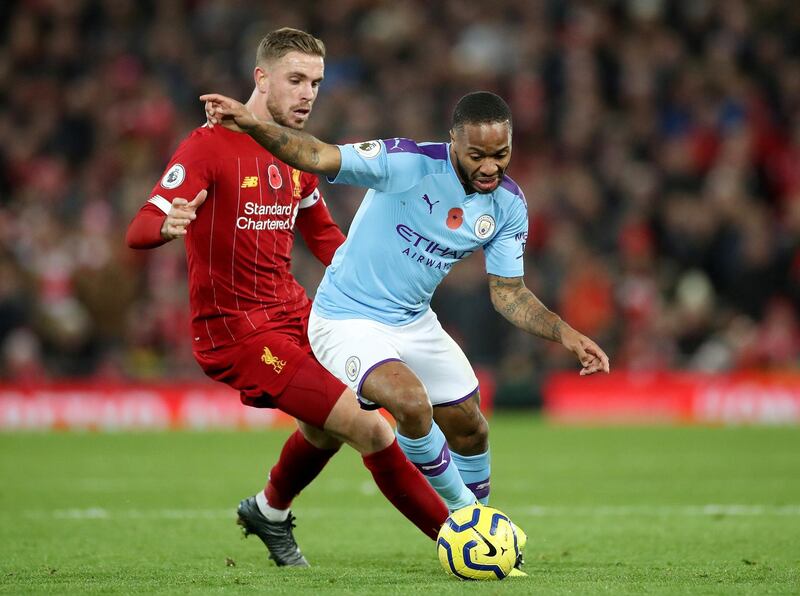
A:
[(477, 543)]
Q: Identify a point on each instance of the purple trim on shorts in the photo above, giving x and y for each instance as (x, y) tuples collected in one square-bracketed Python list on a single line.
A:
[(368, 407), (369, 370), (399, 145), (479, 489), (459, 400), (436, 466)]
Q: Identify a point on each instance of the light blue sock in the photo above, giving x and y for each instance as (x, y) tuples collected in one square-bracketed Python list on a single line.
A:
[(433, 458), (475, 471)]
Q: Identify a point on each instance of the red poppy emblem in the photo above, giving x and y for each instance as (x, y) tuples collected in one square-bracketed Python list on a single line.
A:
[(454, 218), (275, 180)]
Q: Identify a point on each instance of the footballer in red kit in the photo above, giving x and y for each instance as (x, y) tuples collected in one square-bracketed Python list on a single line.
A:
[(243, 297), (239, 251), (237, 207)]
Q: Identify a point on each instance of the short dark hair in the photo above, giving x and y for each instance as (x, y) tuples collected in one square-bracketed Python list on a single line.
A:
[(280, 42), (481, 107)]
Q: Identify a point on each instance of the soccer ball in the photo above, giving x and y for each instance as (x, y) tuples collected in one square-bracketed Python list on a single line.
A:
[(477, 542)]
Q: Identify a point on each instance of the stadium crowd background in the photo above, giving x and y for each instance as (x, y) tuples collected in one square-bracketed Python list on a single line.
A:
[(658, 144)]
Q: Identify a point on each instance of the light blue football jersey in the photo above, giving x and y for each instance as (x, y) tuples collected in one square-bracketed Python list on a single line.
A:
[(413, 225)]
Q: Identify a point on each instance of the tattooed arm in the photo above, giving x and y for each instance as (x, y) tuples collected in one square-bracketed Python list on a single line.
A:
[(298, 149), (512, 299)]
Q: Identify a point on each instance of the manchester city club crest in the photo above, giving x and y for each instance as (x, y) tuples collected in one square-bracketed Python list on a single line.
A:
[(484, 226), (352, 367)]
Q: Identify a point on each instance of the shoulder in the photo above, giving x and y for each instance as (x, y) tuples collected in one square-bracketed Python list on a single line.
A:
[(510, 193), (430, 151), (428, 157), (414, 157), (198, 141)]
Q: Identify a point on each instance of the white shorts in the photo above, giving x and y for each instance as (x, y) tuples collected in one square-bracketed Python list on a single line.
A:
[(351, 348)]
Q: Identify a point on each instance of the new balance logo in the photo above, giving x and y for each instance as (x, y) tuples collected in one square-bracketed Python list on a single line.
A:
[(430, 205), (249, 181), (276, 363)]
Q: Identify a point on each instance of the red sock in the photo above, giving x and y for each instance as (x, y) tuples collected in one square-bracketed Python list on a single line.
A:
[(407, 489), (299, 463)]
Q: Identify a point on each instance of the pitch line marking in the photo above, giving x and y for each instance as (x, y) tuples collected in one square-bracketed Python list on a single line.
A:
[(710, 510)]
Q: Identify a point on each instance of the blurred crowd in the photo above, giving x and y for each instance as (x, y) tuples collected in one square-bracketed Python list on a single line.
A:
[(657, 142)]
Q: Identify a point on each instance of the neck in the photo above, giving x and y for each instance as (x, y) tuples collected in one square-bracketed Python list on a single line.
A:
[(258, 106), (457, 170)]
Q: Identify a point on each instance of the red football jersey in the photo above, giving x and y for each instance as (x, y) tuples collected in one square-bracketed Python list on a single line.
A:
[(239, 247)]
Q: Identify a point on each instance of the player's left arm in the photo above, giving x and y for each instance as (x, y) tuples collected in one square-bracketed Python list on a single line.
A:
[(512, 299)]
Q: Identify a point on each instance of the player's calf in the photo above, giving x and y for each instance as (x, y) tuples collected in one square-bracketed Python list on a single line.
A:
[(468, 441), (400, 482), (464, 425)]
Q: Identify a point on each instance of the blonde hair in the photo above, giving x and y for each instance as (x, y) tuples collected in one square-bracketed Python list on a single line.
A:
[(280, 42)]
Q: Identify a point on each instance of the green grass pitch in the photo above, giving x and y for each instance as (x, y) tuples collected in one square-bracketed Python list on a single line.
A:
[(607, 510)]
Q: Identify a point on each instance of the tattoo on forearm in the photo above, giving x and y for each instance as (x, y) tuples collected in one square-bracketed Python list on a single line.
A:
[(298, 149), (282, 140), (524, 310)]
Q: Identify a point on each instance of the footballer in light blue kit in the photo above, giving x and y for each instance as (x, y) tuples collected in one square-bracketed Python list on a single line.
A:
[(414, 224), (429, 206)]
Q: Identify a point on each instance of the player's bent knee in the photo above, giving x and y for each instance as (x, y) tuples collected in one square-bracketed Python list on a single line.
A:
[(413, 410), (369, 432), (374, 432), (318, 437), (365, 431)]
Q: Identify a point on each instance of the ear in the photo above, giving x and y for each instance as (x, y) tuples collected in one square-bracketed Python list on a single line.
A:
[(261, 79), (452, 135)]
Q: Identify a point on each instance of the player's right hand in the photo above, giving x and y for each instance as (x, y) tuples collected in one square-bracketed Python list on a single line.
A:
[(228, 112), (180, 215)]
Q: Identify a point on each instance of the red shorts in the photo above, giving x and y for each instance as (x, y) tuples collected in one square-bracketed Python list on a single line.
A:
[(275, 368)]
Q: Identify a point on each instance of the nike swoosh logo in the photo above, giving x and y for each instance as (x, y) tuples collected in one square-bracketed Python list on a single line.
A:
[(492, 549), (434, 466)]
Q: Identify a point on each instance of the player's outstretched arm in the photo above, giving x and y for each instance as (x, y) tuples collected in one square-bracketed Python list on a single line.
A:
[(512, 299), (298, 149)]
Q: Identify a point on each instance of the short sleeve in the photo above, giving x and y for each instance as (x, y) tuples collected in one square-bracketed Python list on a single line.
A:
[(504, 253), (189, 171), (370, 165)]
